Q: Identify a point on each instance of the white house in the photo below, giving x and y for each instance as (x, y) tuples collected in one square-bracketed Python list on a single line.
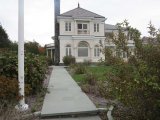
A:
[(80, 33)]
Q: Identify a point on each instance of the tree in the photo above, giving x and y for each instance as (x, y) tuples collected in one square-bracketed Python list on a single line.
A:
[(32, 47), (4, 40), (137, 84)]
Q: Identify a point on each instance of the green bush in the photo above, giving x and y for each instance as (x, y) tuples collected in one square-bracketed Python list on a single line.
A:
[(79, 69), (90, 78), (35, 70), (67, 60), (110, 59)]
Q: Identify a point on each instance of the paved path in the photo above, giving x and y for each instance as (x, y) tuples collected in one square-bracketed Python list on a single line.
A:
[(65, 97)]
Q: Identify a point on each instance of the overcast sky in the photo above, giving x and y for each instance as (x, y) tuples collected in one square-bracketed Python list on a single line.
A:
[(39, 15)]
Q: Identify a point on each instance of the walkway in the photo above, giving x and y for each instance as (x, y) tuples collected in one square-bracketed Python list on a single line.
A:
[(66, 98)]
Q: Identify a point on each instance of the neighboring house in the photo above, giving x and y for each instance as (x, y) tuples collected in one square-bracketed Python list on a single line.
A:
[(50, 50), (82, 35), (109, 29), (148, 40)]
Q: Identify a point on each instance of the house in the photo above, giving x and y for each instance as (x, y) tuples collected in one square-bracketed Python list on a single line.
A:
[(81, 33)]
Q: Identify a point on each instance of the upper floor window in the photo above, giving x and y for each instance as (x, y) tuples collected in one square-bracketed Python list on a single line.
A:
[(68, 50), (67, 26), (82, 28), (96, 27)]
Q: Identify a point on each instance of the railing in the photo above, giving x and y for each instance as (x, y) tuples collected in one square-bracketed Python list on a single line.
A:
[(83, 32)]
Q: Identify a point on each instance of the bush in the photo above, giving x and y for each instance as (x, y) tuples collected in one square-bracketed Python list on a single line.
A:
[(110, 59), (87, 62), (80, 69), (67, 60), (90, 78), (8, 89), (136, 88), (35, 69)]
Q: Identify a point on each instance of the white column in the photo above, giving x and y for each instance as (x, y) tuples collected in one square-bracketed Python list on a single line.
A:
[(21, 106), (47, 52)]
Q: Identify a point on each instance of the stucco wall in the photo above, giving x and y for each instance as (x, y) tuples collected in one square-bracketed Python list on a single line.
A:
[(74, 49)]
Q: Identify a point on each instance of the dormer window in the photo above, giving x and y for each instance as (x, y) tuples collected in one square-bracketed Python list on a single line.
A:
[(96, 27), (67, 26)]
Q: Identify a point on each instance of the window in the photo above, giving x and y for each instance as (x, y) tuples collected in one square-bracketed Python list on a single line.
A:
[(96, 51), (68, 50), (96, 27), (82, 26), (68, 26), (83, 49)]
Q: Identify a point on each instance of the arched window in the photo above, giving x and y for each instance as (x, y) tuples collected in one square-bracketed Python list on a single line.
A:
[(68, 50), (83, 49), (96, 51)]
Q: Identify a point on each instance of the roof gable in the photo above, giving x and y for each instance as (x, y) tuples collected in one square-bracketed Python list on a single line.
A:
[(80, 12)]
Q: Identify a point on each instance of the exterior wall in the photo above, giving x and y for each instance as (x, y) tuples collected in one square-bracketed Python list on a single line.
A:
[(74, 49), (73, 38), (74, 26), (62, 27)]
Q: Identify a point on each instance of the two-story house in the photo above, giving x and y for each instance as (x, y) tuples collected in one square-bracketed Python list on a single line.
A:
[(80, 34)]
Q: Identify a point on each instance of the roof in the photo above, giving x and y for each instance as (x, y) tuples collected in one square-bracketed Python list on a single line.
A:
[(80, 12), (110, 27)]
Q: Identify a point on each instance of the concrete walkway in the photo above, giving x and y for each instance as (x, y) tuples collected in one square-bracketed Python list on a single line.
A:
[(66, 98)]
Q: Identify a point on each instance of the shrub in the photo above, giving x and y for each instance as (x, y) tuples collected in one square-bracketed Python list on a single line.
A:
[(67, 60), (87, 62), (90, 78), (8, 88), (35, 69), (80, 69)]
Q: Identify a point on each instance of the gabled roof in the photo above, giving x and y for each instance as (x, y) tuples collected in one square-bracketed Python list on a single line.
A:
[(80, 12)]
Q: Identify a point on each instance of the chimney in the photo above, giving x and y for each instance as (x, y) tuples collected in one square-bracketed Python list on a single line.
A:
[(57, 47)]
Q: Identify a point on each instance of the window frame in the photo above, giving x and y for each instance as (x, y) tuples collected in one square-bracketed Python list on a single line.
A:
[(68, 50), (81, 48), (96, 51), (96, 27), (68, 26), (82, 26)]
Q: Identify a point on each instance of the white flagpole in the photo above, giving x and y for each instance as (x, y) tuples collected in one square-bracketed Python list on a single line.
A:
[(21, 106)]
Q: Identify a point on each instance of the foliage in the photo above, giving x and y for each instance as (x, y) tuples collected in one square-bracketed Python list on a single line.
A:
[(90, 78), (69, 60), (80, 69), (8, 88), (32, 47), (137, 83), (35, 69), (110, 59), (4, 40)]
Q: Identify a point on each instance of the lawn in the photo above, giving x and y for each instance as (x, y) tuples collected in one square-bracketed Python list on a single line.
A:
[(99, 71)]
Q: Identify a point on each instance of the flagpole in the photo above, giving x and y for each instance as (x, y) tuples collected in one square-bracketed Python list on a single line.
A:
[(21, 106)]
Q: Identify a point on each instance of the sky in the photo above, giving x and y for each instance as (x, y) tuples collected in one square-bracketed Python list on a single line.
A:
[(39, 15)]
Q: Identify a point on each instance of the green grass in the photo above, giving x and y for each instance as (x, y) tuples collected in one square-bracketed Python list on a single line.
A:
[(99, 71)]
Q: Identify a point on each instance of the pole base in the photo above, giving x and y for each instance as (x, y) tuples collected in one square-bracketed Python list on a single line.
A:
[(23, 107)]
